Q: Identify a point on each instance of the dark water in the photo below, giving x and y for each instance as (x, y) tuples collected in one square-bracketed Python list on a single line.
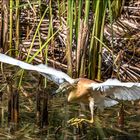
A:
[(59, 112), (105, 126)]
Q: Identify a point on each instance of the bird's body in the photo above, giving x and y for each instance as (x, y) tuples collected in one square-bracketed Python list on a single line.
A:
[(84, 90), (80, 93)]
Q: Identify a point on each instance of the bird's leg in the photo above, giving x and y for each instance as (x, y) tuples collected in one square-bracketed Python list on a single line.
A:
[(77, 121), (91, 106)]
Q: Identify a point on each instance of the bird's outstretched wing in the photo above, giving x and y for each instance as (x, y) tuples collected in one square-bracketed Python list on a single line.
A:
[(118, 90), (55, 75)]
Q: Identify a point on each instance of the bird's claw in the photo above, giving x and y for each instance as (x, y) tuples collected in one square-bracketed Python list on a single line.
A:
[(77, 121)]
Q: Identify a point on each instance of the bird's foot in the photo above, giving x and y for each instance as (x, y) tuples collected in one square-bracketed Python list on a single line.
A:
[(78, 121)]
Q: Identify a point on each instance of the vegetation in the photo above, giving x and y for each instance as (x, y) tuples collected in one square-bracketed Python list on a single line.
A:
[(82, 33), (97, 39)]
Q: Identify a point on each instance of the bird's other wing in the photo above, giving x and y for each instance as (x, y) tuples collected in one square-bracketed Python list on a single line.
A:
[(107, 102), (118, 90), (55, 75)]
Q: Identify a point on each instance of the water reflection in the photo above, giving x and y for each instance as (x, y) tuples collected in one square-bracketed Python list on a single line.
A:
[(59, 111), (105, 126)]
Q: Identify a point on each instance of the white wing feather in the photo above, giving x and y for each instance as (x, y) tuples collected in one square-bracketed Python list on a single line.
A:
[(106, 102), (55, 75), (118, 90)]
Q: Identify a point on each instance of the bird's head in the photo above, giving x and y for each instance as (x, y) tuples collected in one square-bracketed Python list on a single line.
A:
[(67, 87)]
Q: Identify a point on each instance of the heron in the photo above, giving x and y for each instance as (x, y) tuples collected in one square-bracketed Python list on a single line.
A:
[(83, 90)]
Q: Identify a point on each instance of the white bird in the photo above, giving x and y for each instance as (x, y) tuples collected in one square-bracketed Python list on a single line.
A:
[(84, 90)]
